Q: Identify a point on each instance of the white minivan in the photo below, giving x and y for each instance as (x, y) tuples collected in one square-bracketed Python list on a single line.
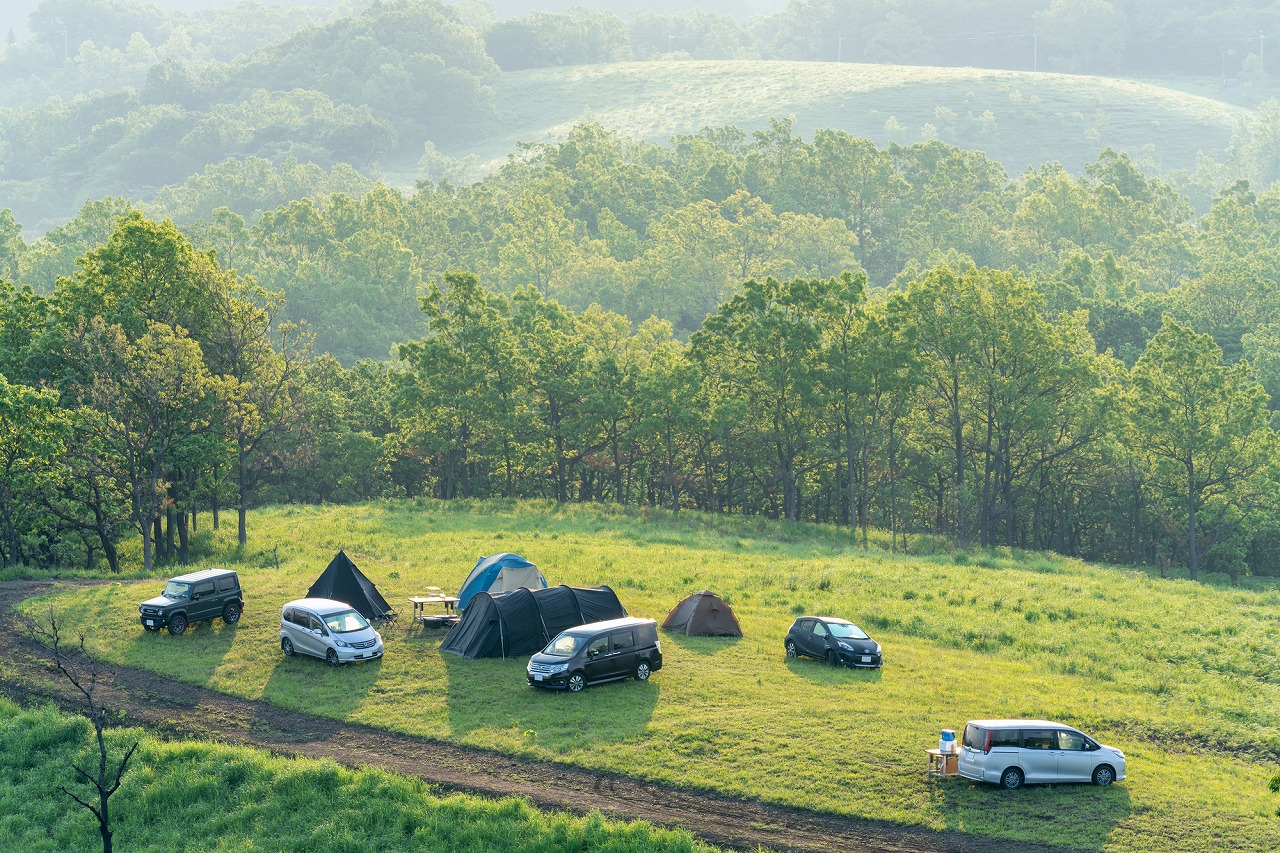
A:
[(1011, 753), (331, 630)]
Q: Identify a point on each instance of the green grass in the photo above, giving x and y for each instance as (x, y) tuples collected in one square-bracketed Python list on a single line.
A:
[(1183, 677), (1034, 118), (187, 796)]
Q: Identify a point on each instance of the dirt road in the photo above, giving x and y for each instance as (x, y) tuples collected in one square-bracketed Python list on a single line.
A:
[(170, 708)]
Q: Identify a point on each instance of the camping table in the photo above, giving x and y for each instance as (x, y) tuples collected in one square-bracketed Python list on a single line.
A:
[(420, 602)]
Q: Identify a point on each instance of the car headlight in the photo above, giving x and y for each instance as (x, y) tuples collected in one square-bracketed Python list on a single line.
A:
[(342, 644), (560, 667), (846, 646), (877, 648)]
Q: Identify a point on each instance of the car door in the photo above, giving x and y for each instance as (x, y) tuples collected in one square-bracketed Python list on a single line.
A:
[(1039, 756), (622, 653), (818, 640), (204, 603), (1075, 761), (598, 664), (309, 641)]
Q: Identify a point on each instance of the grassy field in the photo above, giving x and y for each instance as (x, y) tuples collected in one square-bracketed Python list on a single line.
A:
[(182, 796), (1183, 677), (1017, 118)]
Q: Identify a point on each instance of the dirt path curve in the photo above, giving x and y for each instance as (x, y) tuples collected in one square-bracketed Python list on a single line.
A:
[(171, 708)]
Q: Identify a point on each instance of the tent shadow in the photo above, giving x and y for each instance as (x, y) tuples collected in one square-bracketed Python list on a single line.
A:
[(304, 683), (1080, 811), (821, 673), (701, 645), (492, 694)]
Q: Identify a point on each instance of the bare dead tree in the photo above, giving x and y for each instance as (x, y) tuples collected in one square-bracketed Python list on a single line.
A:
[(84, 672)]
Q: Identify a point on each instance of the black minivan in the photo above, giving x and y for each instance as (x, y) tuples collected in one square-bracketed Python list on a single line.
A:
[(597, 652)]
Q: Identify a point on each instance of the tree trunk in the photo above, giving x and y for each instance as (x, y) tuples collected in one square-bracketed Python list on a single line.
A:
[(1193, 556)]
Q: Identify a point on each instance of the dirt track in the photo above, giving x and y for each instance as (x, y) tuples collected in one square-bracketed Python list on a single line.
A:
[(172, 709)]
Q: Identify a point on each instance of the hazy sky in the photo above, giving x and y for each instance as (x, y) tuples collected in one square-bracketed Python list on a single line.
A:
[(13, 13)]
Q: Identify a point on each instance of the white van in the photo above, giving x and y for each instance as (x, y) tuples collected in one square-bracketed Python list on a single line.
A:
[(331, 630), (1011, 753)]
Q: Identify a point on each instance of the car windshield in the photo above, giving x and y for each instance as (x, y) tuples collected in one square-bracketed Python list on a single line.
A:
[(345, 622), (847, 631), (175, 589), (564, 646)]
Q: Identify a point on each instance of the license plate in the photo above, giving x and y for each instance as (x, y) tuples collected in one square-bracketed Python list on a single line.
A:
[(537, 676), (150, 622), (866, 658)]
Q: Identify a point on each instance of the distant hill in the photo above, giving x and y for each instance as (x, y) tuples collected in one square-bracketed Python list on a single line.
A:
[(1018, 118)]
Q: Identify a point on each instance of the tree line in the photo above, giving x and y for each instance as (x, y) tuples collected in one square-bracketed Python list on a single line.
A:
[(155, 383)]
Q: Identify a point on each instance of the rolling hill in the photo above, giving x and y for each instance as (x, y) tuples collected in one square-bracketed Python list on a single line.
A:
[(1018, 118)]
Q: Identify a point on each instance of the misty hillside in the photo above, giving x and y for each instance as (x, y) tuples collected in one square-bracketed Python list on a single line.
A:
[(407, 90)]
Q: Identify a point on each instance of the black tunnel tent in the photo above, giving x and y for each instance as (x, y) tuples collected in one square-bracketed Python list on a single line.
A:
[(523, 621), (342, 581)]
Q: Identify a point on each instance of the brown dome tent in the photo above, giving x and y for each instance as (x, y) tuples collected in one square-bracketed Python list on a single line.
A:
[(703, 614)]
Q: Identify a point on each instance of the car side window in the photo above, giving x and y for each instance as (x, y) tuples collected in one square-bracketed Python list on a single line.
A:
[(226, 583), (623, 640), (287, 615), (314, 623), (1072, 741), (1037, 739), (598, 646), (1004, 737), (819, 629), (202, 589)]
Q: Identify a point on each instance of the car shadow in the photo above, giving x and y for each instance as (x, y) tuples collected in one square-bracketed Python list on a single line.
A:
[(820, 672), (491, 693), (305, 683), (700, 645), (1081, 812)]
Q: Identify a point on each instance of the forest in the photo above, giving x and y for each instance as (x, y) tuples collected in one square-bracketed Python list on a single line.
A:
[(811, 327), (896, 338)]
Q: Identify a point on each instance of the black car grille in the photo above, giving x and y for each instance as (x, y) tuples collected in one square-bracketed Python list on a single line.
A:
[(151, 611)]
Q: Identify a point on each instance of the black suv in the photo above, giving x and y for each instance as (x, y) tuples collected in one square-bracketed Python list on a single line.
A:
[(599, 651), (190, 598)]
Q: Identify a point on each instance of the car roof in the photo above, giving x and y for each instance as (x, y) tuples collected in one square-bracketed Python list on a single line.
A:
[(609, 624), (1023, 724), (320, 605), (832, 619), (202, 575)]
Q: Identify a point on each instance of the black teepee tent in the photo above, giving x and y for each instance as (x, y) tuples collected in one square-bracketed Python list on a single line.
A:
[(342, 581)]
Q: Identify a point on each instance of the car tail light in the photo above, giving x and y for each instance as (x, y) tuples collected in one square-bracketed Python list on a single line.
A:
[(986, 743)]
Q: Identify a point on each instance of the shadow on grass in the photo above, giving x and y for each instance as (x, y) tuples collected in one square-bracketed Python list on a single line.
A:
[(305, 683), (1080, 816), (491, 693), (701, 645), (820, 672)]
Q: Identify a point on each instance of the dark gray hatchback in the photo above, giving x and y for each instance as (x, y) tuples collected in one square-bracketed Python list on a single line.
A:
[(190, 598), (598, 652)]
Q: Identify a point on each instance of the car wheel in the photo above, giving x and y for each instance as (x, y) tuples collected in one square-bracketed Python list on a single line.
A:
[(231, 613), (1011, 778), (791, 649), (286, 646), (642, 671), (178, 625), (576, 682), (832, 658), (1104, 776), (331, 658)]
